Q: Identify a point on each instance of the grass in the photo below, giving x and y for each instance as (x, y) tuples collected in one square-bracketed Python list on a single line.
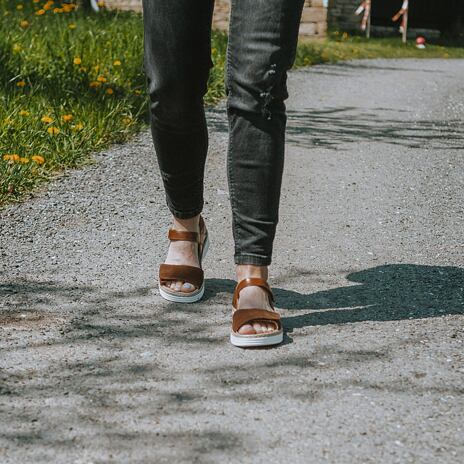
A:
[(73, 83)]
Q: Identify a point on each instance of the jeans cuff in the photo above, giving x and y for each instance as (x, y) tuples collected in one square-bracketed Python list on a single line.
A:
[(185, 214), (255, 260)]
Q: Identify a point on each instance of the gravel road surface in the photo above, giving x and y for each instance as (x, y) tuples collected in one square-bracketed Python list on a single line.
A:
[(369, 272)]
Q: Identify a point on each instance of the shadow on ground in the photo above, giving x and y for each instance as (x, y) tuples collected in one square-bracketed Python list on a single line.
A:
[(334, 127), (383, 293)]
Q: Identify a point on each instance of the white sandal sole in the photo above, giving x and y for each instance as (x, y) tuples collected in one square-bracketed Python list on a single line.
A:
[(192, 297), (248, 341)]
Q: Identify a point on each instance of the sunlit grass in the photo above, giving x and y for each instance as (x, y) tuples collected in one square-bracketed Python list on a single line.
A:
[(72, 83)]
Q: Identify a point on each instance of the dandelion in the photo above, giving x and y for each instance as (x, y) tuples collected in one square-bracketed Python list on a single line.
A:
[(101, 4), (72, 26), (46, 119), (40, 12), (24, 113), (101, 79), (94, 84), (38, 159), (53, 130), (109, 91), (23, 160), (127, 121), (14, 157), (67, 117), (20, 6), (8, 121), (68, 7), (77, 127), (77, 60), (83, 69), (137, 92), (117, 63), (20, 83), (24, 24), (16, 48), (57, 10)]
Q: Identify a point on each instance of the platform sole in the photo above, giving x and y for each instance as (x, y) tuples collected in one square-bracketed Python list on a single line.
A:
[(249, 341)]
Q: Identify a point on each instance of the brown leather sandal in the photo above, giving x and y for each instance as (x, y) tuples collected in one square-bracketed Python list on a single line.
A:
[(244, 316), (191, 274)]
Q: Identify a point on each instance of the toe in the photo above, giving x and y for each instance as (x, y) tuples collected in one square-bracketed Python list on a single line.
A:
[(177, 286), (187, 287), (259, 328), (246, 329)]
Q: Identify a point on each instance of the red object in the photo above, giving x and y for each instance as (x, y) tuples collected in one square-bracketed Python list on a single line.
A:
[(420, 41)]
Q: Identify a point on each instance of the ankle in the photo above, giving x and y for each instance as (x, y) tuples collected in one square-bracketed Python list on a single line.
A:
[(188, 225), (244, 271)]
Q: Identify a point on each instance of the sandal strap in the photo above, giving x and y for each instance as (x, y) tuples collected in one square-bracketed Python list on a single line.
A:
[(244, 316), (186, 236), (248, 282), (183, 235), (191, 274)]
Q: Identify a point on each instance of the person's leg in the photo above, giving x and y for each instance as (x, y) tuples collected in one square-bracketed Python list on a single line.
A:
[(177, 60), (262, 44)]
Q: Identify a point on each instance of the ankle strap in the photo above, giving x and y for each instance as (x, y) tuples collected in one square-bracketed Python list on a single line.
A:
[(248, 282), (183, 235), (186, 236)]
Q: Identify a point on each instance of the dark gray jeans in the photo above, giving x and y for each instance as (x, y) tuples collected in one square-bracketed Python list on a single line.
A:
[(261, 49)]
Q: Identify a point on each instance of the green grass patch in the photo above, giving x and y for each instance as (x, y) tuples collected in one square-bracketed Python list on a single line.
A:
[(72, 83)]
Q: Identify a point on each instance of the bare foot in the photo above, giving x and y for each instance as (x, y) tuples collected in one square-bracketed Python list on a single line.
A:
[(253, 297), (184, 253)]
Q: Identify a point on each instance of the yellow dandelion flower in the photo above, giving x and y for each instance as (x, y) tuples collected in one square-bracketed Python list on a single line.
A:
[(83, 69), (57, 10), (53, 130), (24, 113), (16, 48), (13, 157), (47, 6), (127, 121), (68, 7), (77, 60), (117, 63), (72, 26), (24, 23), (38, 159), (101, 79), (40, 12), (20, 83), (109, 91), (23, 160), (101, 4), (94, 84), (46, 119), (8, 121), (137, 92), (20, 6), (67, 117), (77, 127)]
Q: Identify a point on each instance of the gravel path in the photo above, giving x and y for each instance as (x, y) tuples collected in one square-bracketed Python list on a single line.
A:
[(369, 266)]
